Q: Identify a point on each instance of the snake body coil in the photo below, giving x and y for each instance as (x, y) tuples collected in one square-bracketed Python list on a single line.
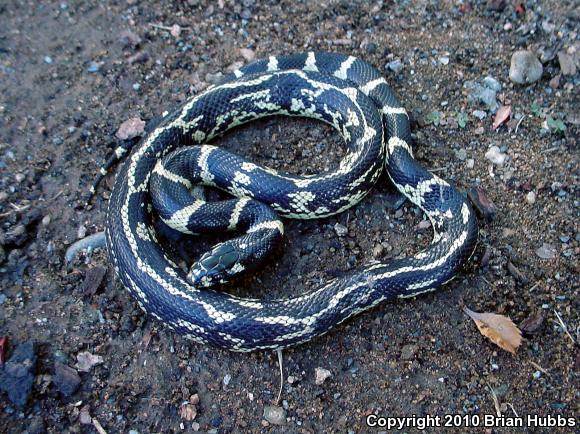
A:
[(343, 91)]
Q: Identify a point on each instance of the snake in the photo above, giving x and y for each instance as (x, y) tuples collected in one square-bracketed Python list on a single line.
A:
[(157, 182)]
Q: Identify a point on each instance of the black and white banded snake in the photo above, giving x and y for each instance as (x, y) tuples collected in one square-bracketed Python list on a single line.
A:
[(341, 90)]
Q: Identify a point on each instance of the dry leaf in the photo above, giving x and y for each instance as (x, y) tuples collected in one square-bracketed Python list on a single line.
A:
[(497, 328), (502, 115)]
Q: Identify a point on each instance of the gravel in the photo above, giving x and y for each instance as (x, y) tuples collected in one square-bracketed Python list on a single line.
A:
[(148, 371)]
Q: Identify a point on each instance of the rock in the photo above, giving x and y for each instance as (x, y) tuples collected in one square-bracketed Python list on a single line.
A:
[(66, 379), (321, 375), (18, 375), (408, 351), (567, 65), (484, 206), (461, 154), (275, 415), (131, 128), (378, 250), (371, 48), (525, 67), (492, 83), (213, 78), (340, 230), (36, 426), (94, 67), (187, 411), (479, 114), (86, 360), (139, 57), (227, 379), (85, 416), (93, 279), (247, 54), (129, 39), (517, 274), (546, 251), (483, 93), (532, 323), (495, 155), (531, 197), (396, 66)]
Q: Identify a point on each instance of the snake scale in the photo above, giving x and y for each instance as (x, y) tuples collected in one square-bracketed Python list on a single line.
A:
[(155, 181)]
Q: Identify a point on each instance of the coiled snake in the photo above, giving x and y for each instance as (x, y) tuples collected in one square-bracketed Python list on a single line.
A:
[(341, 90)]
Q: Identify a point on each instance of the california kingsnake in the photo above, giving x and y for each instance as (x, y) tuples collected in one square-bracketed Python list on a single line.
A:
[(341, 90)]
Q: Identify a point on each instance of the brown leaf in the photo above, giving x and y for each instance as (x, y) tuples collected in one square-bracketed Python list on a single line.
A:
[(497, 328), (502, 115)]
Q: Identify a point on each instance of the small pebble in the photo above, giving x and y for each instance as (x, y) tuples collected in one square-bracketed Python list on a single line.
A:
[(378, 250), (492, 83), (395, 66), (227, 379), (470, 163), (525, 67), (94, 67), (81, 232), (567, 65), (66, 379), (531, 197), (129, 39), (274, 414), (48, 60), (131, 128), (340, 230), (136, 86), (444, 60), (461, 154), (321, 375), (479, 114), (495, 155), (546, 251), (248, 54)]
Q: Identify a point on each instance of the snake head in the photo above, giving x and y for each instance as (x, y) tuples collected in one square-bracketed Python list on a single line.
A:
[(216, 266)]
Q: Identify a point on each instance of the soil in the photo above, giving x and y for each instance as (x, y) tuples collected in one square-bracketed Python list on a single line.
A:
[(71, 74)]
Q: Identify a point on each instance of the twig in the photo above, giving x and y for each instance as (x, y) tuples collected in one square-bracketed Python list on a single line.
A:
[(564, 326), (57, 195), (281, 376), (15, 208), (539, 368), (495, 401), (169, 29), (513, 409), (92, 242), (534, 287), (98, 426), (438, 169), (553, 148), (517, 126)]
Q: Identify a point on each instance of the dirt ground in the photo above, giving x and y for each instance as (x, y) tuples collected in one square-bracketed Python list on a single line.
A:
[(72, 72)]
